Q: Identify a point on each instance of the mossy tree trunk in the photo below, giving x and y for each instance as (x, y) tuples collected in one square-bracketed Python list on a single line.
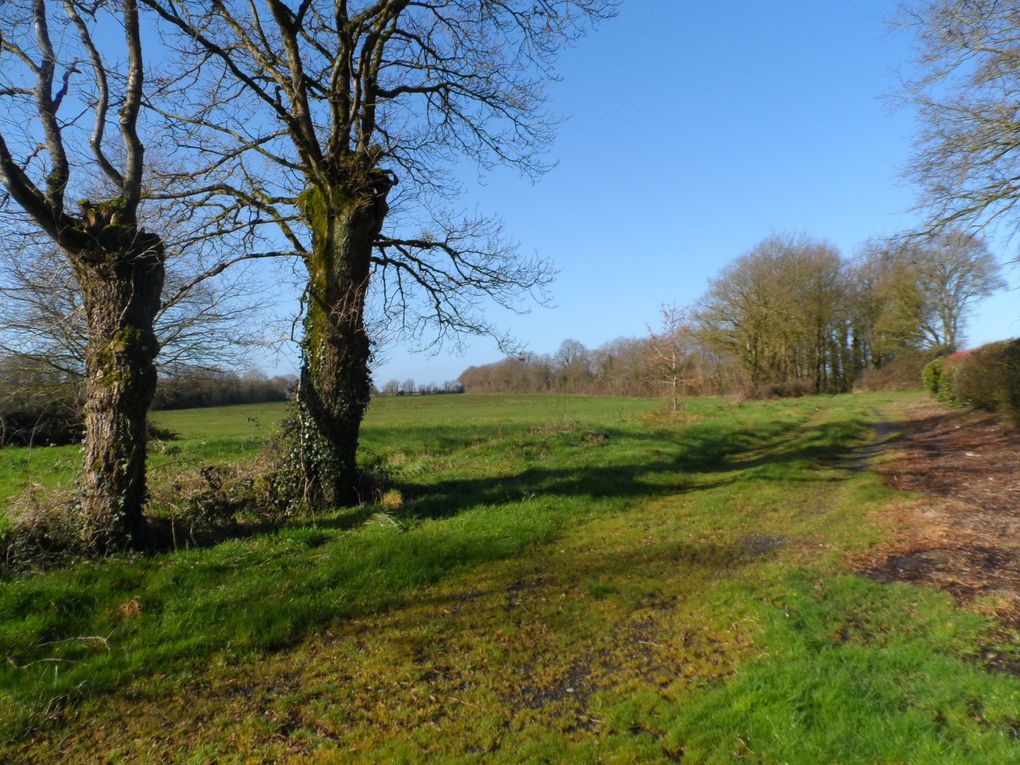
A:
[(335, 382), (121, 285)]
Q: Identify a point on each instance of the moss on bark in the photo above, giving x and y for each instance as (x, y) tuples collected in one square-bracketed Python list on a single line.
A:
[(335, 382), (121, 280)]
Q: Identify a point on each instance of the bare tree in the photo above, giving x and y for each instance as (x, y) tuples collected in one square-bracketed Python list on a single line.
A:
[(318, 109), (214, 324), (780, 310), (671, 352), (965, 86), (917, 290), (46, 93), (886, 304), (954, 270)]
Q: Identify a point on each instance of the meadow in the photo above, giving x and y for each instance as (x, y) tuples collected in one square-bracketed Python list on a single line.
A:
[(546, 579)]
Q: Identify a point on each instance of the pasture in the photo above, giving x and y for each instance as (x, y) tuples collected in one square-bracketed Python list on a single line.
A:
[(547, 579)]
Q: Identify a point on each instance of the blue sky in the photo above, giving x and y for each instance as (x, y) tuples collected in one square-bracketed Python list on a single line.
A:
[(693, 131)]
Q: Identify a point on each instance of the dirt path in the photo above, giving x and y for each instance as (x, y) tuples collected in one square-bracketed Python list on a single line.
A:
[(962, 533), (863, 458)]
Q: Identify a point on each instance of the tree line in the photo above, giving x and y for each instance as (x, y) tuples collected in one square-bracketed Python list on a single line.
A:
[(41, 405), (410, 388), (219, 387), (790, 316)]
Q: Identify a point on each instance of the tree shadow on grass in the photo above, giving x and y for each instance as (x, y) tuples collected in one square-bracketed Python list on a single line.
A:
[(683, 460), (270, 595), (702, 452)]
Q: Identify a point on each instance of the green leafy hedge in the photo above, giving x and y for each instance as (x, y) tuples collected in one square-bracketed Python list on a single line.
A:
[(931, 375), (989, 378), (938, 376)]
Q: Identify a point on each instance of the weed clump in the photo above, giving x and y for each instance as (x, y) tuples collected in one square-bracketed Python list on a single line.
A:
[(43, 529)]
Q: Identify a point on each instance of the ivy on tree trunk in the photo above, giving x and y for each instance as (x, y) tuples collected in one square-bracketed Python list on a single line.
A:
[(335, 381)]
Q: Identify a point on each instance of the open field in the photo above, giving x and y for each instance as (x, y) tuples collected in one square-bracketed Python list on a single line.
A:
[(551, 579), (426, 423)]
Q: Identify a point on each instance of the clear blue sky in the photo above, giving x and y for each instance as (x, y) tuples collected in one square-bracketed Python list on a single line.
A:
[(694, 130)]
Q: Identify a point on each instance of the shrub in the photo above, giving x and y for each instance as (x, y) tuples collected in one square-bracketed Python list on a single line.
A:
[(38, 406), (989, 378), (931, 376), (43, 529), (39, 425), (785, 389), (938, 376), (902, 372)]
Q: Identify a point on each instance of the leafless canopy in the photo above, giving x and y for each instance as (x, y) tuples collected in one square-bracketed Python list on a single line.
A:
[(966, 87), (292, 95), (56, 112), (42, 318), (671, 347)]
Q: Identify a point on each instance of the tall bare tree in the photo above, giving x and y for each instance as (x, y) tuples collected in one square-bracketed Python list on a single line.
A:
[(916, 291), (46, 91), (954, 270), (779, 310), (965, 84), (886, 303), (318, 109)]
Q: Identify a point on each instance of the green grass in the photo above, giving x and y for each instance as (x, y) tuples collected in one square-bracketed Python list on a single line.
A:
[(566, 579)]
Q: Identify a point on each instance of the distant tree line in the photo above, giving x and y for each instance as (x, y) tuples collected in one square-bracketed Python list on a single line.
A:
[(41, 405), (219, 387), (621, 367), (789, 317), (410, 388)]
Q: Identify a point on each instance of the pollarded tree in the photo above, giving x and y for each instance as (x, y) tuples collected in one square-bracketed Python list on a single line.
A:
[(316, 110), (46, 90)]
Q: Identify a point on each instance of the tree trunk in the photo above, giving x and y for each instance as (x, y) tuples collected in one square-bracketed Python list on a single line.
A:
[(121, 294), (335, 384)]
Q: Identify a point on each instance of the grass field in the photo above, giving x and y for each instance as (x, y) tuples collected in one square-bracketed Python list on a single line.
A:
[(552, 579)]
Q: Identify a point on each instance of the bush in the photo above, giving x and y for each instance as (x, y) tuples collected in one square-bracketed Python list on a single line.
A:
[(902, 372), (931, 376), (785, 389), (43, 531), (38, 405), (938, 376), (989, 378)]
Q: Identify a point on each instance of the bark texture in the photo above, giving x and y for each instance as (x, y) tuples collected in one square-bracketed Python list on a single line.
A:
[(335, 382), (121, 279)]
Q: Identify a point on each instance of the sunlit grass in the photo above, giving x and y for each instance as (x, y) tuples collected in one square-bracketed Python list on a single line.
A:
[(555, 580)]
